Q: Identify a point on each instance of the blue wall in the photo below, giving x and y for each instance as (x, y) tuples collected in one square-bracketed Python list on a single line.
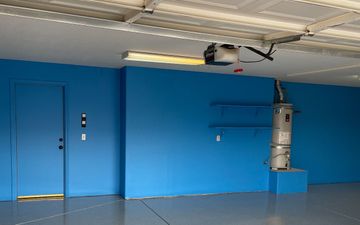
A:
[(170, 150), (149, 135), (326, 132), (95, 91)]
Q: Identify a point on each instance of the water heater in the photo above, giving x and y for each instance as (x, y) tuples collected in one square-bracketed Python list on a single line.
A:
[(281, 136), (281, 132)]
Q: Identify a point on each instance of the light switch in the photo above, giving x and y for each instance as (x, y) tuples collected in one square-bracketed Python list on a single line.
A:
[(83, 137), (83, 120)]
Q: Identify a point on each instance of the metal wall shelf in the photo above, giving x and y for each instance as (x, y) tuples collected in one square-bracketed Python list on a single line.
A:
[(221, 129), (256, 107), (244, 106), (241, 127), (247, 127)]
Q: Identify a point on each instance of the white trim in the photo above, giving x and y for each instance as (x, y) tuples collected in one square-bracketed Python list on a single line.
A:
[(338, 4)]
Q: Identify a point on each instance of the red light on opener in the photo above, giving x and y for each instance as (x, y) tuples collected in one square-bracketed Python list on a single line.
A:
[(238, 70)]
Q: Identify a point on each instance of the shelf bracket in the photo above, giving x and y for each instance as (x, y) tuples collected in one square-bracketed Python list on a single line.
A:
[(222, 111), (256, 112), (256, 132)]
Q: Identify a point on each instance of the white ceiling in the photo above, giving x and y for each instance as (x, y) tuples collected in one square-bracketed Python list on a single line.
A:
[(53, 41)]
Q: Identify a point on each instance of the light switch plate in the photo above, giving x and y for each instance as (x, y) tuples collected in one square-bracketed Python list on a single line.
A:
[(83, 137)]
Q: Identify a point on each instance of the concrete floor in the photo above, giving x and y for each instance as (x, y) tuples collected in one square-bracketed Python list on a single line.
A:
[(337, 204)]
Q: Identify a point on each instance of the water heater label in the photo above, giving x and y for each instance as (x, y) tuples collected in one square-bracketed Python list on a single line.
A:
[(284, 138)]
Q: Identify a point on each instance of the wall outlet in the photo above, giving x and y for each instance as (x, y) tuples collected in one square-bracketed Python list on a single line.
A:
[(218, 138), (83, 137)]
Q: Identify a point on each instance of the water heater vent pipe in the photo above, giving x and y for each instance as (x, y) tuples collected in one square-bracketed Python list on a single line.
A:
[(279, 91)]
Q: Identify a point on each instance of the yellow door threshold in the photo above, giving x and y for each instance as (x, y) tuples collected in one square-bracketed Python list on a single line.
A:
[(41, 197)]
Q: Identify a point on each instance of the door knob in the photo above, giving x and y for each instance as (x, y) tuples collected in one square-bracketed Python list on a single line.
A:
[(61, 147)]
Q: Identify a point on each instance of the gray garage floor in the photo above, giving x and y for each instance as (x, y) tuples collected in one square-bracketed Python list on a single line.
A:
[(337, 204)]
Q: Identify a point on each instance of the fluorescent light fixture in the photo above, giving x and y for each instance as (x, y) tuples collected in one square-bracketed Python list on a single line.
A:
[(161, 58)]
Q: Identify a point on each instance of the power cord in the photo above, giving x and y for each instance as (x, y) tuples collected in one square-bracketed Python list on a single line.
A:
[(269, 53)]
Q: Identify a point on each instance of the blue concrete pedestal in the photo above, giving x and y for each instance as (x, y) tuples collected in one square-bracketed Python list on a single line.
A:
[(288, 181)]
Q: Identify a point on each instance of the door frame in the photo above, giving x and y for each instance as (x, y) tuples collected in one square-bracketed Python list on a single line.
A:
[(13, 130)]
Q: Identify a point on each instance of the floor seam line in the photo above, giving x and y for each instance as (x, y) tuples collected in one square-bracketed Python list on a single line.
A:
[(152, 210), (342, 214), (67, 213)]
